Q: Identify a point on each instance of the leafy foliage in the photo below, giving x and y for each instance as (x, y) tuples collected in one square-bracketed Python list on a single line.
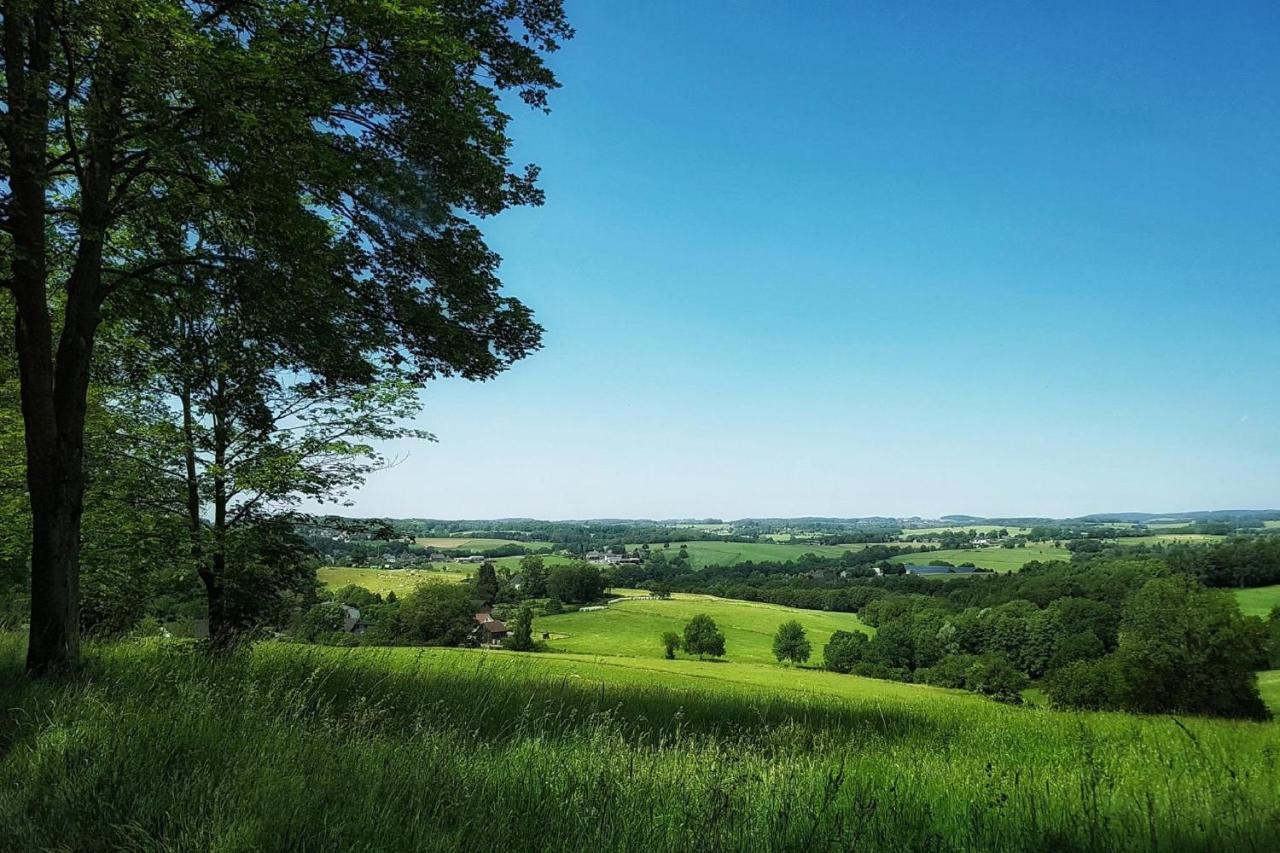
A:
[(703, 638), (790, 643)]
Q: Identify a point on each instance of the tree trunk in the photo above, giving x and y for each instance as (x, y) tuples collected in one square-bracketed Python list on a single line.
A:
[(54, 387), (221, 629), (54, 480)]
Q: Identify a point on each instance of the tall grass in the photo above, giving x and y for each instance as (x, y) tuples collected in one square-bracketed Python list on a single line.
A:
[(298, 748)]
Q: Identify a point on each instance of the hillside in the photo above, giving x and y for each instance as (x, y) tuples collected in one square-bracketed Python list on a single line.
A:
[(634, 628), (294, 747)]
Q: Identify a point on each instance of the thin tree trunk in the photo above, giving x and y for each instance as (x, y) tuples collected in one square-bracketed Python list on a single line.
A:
[(221, 631)]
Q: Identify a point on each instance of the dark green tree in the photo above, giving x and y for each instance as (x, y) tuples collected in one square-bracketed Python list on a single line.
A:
[(534, 571), (1187, 649), (487, 583), (335, 155), (439, 614), (521, 637), (844, 651), (790, 643), (703, 638), (670, 644)]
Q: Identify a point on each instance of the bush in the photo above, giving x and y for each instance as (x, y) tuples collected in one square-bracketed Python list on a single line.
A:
[(1089, 685), (993, 675), (355, 596), (844, 650), (951, 671), (321, 620)]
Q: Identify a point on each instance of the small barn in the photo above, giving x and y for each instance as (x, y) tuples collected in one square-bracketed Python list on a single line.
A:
[(489, 632)]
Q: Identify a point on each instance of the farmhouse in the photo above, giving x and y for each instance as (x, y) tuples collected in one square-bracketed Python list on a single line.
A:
[(489, 632)]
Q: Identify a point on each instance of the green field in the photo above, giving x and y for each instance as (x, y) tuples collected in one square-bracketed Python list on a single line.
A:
[(399, 581), (1168, 539), (451, 542), (634, 628), (1259, 600), (999, 559), (703, 554), (964, 528), (287, 747), (511, 564), (1269, 687)]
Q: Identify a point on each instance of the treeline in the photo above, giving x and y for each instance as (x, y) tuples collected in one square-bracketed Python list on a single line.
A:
[(443, 614), (1087, 630), (1122, 634)]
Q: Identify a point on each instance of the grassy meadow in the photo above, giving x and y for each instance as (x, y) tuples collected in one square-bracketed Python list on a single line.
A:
[(1258, 601), (1169, 539), (311, 748), (399, 581), (964, 528), (634, 628), (998, 559), (469, 544), (703, 554)]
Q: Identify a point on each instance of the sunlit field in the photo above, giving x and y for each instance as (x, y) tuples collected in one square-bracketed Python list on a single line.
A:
[(964, 528), (399, 581), (703, 554), (479, 544), (635, 628), (998, 559), (296, 747), (1258, 601)]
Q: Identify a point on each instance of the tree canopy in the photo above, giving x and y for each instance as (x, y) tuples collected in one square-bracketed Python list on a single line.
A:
[(320, 168)]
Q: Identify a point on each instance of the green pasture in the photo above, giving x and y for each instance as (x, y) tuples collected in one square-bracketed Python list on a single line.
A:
[(511, 564), (479, 544), (399, 581), (999, 559), (702, 554), (1258, 601), (964, 528), (1269, 687), (154, 746), (1168, 539), (635, 628)]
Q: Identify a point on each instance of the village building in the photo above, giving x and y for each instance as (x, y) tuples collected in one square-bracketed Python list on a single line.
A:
[(489, 632)]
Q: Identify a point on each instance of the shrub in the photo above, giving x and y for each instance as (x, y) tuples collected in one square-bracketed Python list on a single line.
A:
[(844, 650), (951, 671), (993, 675), (1085, 684)]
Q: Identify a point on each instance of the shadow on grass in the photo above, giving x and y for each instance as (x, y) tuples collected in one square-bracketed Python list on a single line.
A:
[(488, 696)]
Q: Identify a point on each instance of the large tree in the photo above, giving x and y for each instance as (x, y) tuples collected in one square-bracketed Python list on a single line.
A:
[(334, 156)]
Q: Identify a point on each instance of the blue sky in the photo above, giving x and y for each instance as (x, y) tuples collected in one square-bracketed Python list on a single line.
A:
[(900, 259)]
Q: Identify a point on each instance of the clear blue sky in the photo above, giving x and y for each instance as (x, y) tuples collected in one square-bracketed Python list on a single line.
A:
[(902, 259)]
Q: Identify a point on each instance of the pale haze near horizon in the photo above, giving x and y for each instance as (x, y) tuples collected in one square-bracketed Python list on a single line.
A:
[(884, 262)]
